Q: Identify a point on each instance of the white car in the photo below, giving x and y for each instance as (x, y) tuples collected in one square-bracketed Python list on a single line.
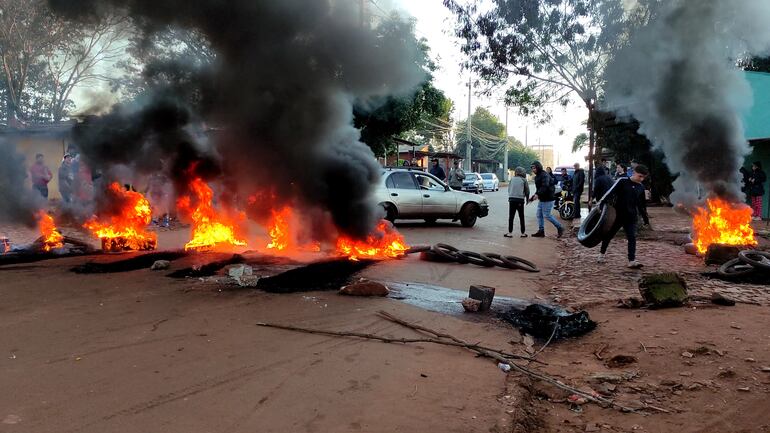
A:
[(414, 194), (490, 181), (473, 183)]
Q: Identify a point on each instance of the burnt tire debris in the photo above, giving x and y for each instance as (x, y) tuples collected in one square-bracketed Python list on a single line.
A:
[(749, 264), (445, 253)]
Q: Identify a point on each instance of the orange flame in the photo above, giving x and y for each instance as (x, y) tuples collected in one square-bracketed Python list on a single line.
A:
[(279, 229), (51, 236), (210, 228), (383, 243), (126, 227), (722, 222)]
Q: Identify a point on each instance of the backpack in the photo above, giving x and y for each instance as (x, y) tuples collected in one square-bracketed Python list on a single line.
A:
[(551, 185)]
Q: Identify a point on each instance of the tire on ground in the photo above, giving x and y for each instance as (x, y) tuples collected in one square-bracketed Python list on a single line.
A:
[(757, 259), (476, 259)]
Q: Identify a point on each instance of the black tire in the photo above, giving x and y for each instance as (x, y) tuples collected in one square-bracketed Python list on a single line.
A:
[(519, 263), (431, 221), (390, 212), (448, 252), (476, 259), (496, 258), (417, 249), (432, 256), (735, 268), (567, 211), (757, 259), (468, 215), (596, 225)]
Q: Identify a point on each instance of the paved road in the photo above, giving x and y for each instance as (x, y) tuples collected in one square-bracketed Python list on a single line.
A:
[(485, 236)]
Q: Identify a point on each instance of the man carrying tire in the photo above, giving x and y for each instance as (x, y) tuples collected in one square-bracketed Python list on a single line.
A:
[(544, 193), (628, 194)]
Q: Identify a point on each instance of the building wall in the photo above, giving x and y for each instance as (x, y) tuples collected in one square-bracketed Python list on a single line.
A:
[(52, 148)]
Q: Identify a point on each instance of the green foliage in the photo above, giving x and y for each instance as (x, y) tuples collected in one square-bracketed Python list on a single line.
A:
[(580, 141), (487, 135), (380, 120), (520, 155)]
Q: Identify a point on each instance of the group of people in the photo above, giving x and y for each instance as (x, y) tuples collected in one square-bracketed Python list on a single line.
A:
[(753, 185), (626, 192), (75, 179)]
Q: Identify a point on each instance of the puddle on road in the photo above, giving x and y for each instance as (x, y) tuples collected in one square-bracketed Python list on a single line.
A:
[(448, 301)]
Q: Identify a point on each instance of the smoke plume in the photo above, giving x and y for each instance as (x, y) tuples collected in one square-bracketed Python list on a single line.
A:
[(678, 78), (18, 202), (282, 87)]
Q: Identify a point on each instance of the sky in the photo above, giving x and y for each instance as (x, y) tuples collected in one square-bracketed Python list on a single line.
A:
[(435, 23)]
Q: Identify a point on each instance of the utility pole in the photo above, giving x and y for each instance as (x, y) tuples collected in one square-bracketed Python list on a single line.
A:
[(470, 141), (505, 152)]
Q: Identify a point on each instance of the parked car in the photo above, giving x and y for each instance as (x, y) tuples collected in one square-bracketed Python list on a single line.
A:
[(414, 194), (490, 182), (473, 183)]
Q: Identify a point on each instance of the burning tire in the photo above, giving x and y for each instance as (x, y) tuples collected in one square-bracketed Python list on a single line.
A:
[(596, 225)]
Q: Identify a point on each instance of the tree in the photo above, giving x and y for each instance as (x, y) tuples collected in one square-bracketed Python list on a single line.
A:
[(487, 135), (579, 142), (519, 155), (408, 115), (74, 61), (546, 51), (28, 30)]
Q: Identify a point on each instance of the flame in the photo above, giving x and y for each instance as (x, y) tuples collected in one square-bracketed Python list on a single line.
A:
[(722, 222), (279, 229), (383, 243), (210, 228), (51, 236), (126, 227)]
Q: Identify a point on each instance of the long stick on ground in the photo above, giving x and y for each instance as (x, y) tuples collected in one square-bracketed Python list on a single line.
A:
[(471, 346), (490, 354), (453, 341), (387, 316)]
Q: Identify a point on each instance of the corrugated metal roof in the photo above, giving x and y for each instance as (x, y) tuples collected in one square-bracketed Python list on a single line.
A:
[(757, 120)]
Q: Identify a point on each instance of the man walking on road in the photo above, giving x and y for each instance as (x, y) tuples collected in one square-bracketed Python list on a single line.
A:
[(40, 175), (544, 193), (629, 204), (456, 176), (578, 180), (437, 171)]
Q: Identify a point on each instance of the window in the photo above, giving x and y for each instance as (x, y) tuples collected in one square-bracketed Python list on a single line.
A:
[(429, 183), (486, 176), (401, 180)]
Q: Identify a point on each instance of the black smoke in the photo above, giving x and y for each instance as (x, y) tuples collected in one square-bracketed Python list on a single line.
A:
[(678, 78), (18, 202), (282, 88)]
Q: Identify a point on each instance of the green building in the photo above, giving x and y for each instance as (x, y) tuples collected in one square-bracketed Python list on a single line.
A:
[(757, 128)]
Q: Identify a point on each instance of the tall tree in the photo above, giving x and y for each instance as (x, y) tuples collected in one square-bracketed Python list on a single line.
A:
[(28, 30), (546, 51), (487, 135)]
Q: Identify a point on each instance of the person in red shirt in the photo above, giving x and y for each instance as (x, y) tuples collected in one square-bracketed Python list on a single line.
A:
[(40, 175)]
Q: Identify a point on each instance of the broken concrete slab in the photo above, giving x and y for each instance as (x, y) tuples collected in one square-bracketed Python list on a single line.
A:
[(663, 290), (483, 294), (160, 265)]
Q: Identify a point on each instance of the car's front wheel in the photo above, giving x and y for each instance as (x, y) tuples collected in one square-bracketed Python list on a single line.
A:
[(390, 211), (430, 221), (468, 215)]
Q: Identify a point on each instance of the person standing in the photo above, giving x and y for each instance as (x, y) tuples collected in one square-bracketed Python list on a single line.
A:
[(456, 176), (756, 188), (518, 194), (40, 175), (550, 173), (620, 171), (66, 178), (578, 181), (629, 204), (544, 193), (437, 171), (602, 183)]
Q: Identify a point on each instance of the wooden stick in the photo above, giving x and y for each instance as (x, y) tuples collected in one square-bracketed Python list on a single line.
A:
[(485, 352), (471, 346)]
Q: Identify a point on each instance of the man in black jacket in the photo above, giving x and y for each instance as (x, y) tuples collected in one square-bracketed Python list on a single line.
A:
[(602, 183), (544, 193), (437, 171), (628, 194), (578, 180)]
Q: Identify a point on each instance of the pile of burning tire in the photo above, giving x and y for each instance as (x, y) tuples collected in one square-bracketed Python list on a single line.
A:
[(748, 263), (449, 254)]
